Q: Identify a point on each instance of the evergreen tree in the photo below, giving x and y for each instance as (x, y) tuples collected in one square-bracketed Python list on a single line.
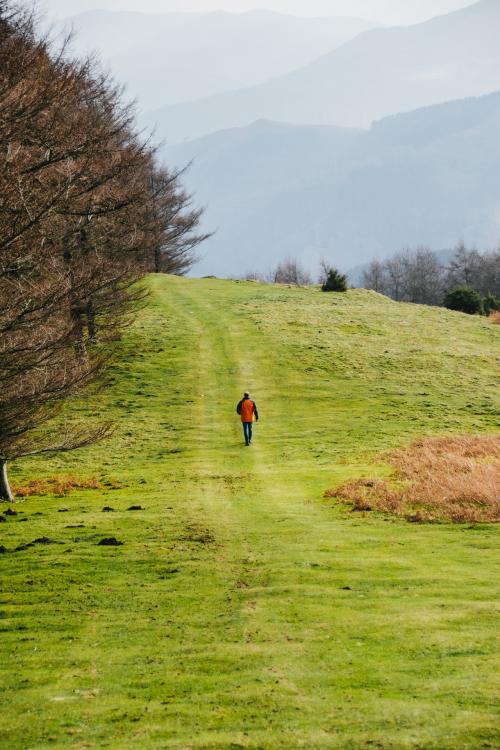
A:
[(464, 299), (335, 282), (491, 304)]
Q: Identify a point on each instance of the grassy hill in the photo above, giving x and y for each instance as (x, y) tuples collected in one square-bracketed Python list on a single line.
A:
[(245, 610)]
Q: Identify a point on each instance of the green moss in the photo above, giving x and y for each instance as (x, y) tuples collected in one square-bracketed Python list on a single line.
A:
[(243, 609)]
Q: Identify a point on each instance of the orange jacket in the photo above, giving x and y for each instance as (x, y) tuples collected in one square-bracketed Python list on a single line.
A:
[(247, 410)]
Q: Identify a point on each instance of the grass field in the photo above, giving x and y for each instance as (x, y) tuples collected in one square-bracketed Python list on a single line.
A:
[(245, 610)]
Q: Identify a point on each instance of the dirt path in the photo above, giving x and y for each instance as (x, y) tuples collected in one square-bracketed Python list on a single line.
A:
[(244, 610)]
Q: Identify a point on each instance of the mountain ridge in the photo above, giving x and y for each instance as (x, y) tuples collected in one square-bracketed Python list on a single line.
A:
[(380, 72), (170, 58), (427, 177)]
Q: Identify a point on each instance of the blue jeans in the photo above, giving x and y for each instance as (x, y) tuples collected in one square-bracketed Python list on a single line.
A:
[(247, 431)]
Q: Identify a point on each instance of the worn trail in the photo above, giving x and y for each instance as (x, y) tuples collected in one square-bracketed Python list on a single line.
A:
[(244, 610)]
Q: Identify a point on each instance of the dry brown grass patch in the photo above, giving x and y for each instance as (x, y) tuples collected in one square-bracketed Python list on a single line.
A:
[(58, 486), (436, 479)]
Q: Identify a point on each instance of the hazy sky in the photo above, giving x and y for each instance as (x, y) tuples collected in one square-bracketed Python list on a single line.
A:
[(383, 11)]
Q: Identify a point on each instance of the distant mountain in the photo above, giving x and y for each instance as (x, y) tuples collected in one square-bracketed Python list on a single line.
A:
[(111, 33), (426, 177), (175, 57), (380, 72)]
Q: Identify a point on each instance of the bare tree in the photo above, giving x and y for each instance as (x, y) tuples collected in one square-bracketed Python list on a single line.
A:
[(423, 277), (84, 214), (290, 271), (254, 276), (175, 223), (418, 276), (489, 282), (375, 277), (324, 271), (396, 276), (478, 271)]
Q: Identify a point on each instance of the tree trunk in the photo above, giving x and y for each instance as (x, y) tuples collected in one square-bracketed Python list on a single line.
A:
[(5, 491), (157, 260), (76, 313), (91, 323)]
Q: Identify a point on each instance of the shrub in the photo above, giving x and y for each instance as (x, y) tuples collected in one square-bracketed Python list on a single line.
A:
[(464, 299), (58, 486), (436, 479), (491, 304), (335, 282)]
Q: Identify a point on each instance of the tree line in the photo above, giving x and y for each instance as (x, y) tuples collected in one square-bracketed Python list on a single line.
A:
[(470, 281), (291, 271), (420, 276), (85, 212)]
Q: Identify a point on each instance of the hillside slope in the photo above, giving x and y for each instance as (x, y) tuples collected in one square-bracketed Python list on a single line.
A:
[(426, 177), (244, 609), (379, 73)]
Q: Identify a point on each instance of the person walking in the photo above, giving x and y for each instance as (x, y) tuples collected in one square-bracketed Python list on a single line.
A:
[(247, 409)]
